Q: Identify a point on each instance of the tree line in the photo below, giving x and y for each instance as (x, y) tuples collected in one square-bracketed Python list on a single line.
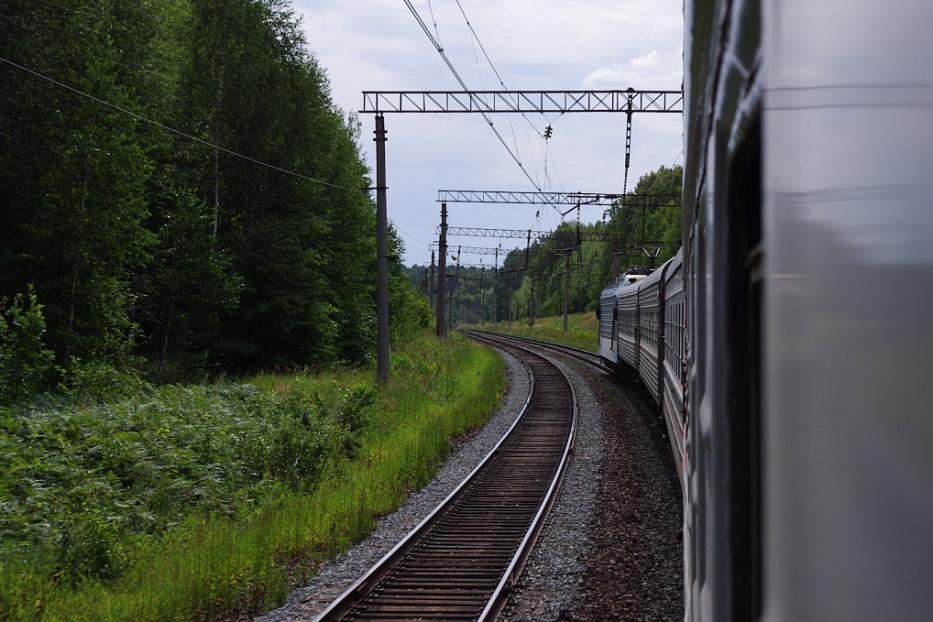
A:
[(134, 243), (530, 281)]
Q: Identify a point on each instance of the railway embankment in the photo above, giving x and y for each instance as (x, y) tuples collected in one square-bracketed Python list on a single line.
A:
[(200, 501)]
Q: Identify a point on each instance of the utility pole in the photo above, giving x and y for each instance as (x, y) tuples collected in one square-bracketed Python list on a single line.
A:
[(454, 291), (566, 287), (382, 255), (495, 289), (431, 282), (442, 275), (482, 294)]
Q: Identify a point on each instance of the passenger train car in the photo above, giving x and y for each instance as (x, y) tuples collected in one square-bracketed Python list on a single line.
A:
[(642, 333), (789, 344)]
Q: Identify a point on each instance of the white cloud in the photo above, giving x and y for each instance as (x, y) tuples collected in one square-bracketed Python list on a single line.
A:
[(645, 72), (648, 60)]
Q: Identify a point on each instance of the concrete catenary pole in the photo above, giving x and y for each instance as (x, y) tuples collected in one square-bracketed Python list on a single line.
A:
[(382, 255), (450, 295), (495, 290), (441, 316), (482, 295), (431, 281), (566, 287)]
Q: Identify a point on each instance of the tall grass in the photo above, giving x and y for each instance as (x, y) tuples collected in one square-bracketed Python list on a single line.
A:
[(209, 564), (582, 329)]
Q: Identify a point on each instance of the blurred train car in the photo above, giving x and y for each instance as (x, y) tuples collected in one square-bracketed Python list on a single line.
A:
[(808, 156), (797, 399)]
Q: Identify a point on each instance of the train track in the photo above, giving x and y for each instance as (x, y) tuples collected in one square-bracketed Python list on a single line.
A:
[(458, 563), (590, 358)]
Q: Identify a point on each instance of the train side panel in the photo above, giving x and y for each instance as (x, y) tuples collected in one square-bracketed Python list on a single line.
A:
[(607, 321), (627, 326), (674, 367), (649, 323)]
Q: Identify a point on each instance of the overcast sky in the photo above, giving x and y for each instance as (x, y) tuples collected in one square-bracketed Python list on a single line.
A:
[(540, 44)]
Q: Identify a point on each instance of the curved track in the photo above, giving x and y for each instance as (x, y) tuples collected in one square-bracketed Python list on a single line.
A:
[(591, 358), (458, 563)]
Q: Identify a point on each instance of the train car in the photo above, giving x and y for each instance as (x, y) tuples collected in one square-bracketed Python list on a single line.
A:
[(650, 295), (607, 321), (627, 326), (607, 313), (674, 360), (808, 148)]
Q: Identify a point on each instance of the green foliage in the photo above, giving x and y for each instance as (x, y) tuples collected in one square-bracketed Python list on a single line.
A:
[(26, 365), (141, 242), (187, 502), (582, 330)]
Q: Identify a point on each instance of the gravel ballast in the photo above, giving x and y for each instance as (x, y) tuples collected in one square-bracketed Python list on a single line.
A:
[(611, 548)]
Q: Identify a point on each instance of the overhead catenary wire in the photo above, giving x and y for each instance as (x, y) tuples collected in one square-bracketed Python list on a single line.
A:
[(492, 65), (434, 21), (453, 70), (475, 37), (173, 130), (546, 134)]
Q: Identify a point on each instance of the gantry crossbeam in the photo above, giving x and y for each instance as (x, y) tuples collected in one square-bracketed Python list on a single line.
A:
[(470, 250), (522, 101), (520, 197), (523, 234)]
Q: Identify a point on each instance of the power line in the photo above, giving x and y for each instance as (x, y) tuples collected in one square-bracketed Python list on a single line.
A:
[(434, 21), (167, 128), (546, 133), (440, 50), (489, 60)]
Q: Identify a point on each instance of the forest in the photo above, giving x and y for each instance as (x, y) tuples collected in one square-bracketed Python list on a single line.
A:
[(189, 419), (128, 245), (529, 282)]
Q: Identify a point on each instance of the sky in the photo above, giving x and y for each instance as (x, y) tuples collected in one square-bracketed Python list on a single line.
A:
[(540, 44)]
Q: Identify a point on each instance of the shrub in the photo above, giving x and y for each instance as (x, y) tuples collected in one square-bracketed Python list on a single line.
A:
[(26, 365)]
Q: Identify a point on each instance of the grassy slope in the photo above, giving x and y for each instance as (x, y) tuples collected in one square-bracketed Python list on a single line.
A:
[(248, 556), (582, 330)]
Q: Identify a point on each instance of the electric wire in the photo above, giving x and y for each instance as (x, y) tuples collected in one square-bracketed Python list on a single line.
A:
[(492, 65), (446, 59), (482, 82), (545, 134), (173, 130), (434, 21)]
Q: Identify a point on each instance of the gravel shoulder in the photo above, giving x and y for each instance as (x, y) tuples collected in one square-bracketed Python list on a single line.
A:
[(337, 575), (612, 547)]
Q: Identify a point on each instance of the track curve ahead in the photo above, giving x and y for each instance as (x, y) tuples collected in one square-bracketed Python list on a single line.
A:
[(458, 563), (590, 358)]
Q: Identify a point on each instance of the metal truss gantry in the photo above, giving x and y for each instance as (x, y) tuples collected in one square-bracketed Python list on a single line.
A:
[(537, 236), (521, 101), (471, 250), (556, 199), (380, 103)]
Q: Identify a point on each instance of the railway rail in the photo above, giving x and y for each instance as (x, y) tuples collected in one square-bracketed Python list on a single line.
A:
[(591, 358), (458, 563)]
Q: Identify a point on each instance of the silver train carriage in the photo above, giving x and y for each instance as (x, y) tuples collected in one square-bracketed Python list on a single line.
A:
[(808, 275), (642, 332)]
